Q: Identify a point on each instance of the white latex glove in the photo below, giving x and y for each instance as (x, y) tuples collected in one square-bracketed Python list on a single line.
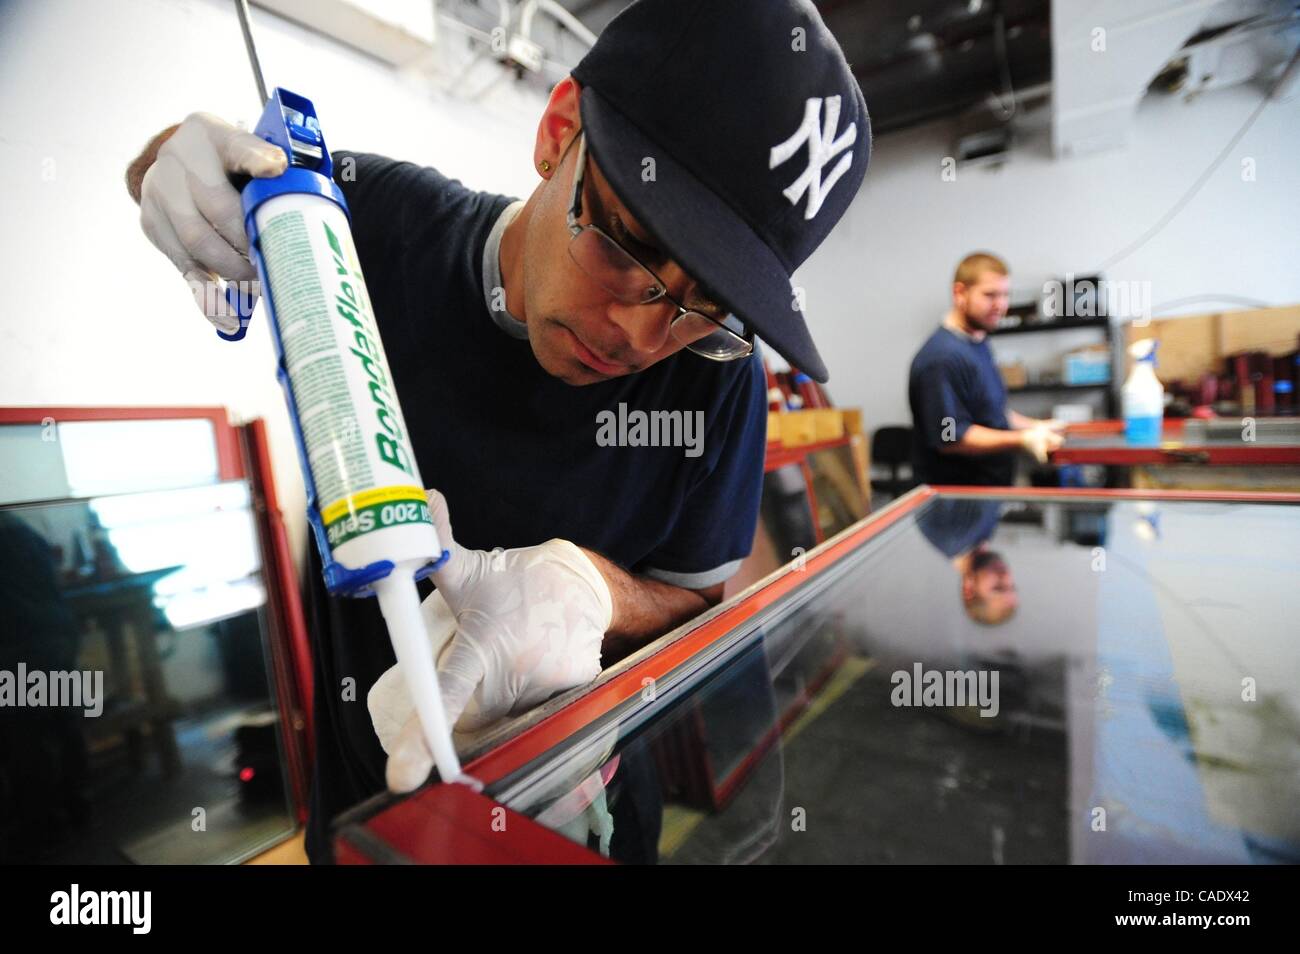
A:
[(1055, 425), (1040, 441), (529, 624), (389, 700), (192, 213)]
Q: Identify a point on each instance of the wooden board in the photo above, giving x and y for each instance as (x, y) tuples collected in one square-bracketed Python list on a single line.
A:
[(1189, 347), (1265, 329), (1193, 345)]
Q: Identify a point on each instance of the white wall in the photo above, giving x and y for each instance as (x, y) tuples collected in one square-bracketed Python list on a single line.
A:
[(94, 314), (880, 284)]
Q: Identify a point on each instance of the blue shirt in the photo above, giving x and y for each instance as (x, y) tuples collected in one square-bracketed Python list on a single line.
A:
[(517, 453), (953, 384), (957, 526)]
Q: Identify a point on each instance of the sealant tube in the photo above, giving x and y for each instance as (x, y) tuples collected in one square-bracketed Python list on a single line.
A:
[(366, 502)]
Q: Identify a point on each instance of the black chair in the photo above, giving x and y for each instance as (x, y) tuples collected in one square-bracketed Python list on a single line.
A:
[(892, 447)]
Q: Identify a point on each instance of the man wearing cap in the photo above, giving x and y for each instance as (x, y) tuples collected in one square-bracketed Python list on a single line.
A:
[(696, 156)]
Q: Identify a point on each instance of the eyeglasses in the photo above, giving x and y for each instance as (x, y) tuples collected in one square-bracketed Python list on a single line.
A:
[(624, 276)]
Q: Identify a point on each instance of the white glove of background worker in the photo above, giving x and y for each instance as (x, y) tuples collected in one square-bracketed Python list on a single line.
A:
[(1040, 440), (529, 624), (192, 213)]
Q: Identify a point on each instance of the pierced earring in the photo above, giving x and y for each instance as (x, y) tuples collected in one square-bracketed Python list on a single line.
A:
[(546, 166)]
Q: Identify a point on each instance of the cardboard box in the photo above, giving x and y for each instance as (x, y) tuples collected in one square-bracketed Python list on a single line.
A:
[(1014, 375), (1193, 345), (1089, 365), (828, 423), (798, 428), (852, 420)]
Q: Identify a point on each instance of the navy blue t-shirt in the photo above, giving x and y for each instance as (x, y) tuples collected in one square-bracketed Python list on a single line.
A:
[(514, 450), (953, 384), (957, 526)]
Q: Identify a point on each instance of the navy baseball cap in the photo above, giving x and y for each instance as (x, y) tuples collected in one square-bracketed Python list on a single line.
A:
[(759, 137)]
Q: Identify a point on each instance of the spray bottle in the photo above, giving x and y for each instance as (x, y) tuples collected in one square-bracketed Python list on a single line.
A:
[(366, 504), (1143, 396)]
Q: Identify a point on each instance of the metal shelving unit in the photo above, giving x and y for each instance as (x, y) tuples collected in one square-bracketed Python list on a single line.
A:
[(1027, 311)]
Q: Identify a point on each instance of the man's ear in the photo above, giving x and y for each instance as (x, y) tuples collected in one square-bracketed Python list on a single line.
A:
[(559, 125)]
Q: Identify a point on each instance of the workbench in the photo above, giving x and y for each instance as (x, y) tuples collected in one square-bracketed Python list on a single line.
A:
[(1136, 701), (1230, 454), (1221, 443)]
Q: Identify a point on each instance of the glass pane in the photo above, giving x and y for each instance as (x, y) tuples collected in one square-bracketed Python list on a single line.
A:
[(31, 463), (984, 682), (841, 501), (57, 459), (138, 719)]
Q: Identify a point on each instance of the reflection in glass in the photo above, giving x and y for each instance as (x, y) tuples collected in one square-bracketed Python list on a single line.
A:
[(960, 529), (110, 457), (60, 459), (1139, 702), (150, 605)]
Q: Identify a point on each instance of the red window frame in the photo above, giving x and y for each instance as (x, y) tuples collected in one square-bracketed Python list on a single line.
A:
[(242, 453)]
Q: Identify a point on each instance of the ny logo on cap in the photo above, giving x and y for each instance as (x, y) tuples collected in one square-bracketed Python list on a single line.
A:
[(822, 148)]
